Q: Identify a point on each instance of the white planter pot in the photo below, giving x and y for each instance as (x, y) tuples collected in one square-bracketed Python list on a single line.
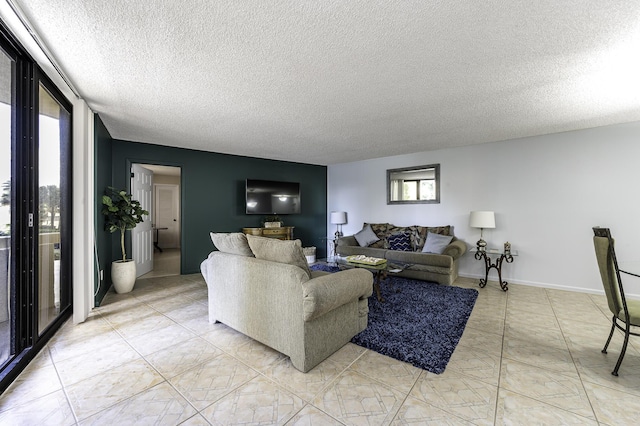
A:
[(123, 275)]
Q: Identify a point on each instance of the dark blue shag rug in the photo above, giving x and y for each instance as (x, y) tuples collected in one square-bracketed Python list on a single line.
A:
[(420, 322)]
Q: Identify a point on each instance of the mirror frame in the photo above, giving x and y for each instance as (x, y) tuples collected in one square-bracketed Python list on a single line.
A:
[(436, 168)]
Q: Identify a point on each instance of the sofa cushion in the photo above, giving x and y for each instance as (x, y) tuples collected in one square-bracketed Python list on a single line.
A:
[(436, 243), (231, 242), (380, 229), (419, 234), (281, 251), (420, 260), (366, 236), (399, 241)]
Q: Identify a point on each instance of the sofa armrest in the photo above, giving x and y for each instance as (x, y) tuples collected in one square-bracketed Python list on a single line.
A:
[(349, 240), (456, 249), (328, 292)]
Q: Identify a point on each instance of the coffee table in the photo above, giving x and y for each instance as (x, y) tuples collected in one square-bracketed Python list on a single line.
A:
[(380, 272)]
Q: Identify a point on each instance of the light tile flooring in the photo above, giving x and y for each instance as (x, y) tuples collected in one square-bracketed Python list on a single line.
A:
[(527, 356), (165, 263)]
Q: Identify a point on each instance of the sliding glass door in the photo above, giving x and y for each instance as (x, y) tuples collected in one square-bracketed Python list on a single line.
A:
[(7, 105), (35, 208), (54, 141)]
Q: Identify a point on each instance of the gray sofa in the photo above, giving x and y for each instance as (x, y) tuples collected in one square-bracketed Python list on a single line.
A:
[(441, 268), (272, 297)]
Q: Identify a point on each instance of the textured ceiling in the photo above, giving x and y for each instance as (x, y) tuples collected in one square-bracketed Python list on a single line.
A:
[(325, 82)]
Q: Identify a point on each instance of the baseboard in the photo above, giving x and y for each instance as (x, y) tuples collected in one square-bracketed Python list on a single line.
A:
[(552, 286)]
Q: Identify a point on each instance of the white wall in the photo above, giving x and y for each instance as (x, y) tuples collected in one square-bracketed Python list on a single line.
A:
[(547, 192)]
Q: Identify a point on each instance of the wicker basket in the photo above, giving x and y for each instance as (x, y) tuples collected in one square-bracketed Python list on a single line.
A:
[(309, 253)]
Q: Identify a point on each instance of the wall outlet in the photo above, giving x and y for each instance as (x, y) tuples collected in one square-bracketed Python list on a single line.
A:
[(101, 274)]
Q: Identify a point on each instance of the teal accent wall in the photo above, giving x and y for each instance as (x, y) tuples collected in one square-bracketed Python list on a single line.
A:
[(103, 167), (213, 194)]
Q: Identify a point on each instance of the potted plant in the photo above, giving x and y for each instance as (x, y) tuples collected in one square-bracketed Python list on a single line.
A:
[(272, 222), (121, 213)]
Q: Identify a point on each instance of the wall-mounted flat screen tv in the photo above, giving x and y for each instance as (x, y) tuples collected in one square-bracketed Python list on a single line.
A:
[(272, 197)]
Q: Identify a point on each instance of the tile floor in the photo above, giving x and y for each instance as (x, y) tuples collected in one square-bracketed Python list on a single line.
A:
[(528, 356)]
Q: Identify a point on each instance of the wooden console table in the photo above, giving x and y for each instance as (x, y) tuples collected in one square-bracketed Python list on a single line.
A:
[(282, 233)]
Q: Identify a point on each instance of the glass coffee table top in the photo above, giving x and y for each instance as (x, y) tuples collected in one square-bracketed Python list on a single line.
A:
[(380, 271)]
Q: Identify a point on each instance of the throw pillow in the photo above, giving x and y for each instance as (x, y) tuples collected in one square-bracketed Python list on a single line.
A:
[(281, 251), (399, 242), (419, 234), (366, 236), (436, 243), (234, 243), (392, 229), (380, 229)]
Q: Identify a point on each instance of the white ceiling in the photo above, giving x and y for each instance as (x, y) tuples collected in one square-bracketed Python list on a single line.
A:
[(325, 82)]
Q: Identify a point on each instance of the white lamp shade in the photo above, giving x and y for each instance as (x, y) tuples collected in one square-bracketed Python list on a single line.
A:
[(338, 218), (482, 219)]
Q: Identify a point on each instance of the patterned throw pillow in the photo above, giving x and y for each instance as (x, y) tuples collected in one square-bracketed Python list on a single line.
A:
[(399, 242), (380, 229), (419, 234)]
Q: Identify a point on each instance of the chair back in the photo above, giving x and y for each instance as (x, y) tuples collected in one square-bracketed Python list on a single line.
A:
[(609, 272)]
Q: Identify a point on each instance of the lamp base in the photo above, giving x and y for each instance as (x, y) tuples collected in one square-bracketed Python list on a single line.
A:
[(481, 245), (338, 234)]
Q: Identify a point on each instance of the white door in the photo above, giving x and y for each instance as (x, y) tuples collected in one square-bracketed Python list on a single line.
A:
[(142, 234), (167, 214)]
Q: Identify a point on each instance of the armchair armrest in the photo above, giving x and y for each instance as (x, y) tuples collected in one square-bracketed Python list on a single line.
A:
[(328, 292), (456, 249)]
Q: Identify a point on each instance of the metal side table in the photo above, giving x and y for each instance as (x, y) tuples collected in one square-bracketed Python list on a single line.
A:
[(500, 257)]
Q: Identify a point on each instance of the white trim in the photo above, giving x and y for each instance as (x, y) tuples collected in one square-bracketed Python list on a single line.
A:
[(546, 285), (83, 211), (82, 157)]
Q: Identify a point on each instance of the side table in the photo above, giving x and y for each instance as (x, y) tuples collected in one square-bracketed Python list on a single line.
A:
[(501, 257)]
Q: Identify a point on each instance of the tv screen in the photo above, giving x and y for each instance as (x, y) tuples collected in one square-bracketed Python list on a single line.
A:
[(272, 197)]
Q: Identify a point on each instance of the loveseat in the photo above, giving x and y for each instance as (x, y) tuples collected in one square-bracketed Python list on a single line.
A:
[(405, 245), (263, 288)]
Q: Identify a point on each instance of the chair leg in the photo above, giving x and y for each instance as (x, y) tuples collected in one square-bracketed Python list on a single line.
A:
[(624, 348), (613, 327)]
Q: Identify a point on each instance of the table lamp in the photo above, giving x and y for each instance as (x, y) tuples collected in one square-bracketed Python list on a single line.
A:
[(338, 219), (482, 219)]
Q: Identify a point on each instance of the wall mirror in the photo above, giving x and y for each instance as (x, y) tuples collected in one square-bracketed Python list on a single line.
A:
[(414, 185)]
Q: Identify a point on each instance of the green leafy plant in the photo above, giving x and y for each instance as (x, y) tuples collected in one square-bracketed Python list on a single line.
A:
[(274, 218), (121, 213)]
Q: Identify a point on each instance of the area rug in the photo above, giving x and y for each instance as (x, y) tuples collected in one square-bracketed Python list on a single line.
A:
[(420, 322)]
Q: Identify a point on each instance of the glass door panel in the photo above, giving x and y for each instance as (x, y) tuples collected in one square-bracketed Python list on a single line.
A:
[(6, 126), (54, 136)]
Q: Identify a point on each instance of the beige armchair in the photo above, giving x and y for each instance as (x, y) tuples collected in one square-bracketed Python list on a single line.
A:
[(307, 315)]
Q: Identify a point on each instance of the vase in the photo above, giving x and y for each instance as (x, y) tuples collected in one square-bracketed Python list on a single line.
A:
[(123, 275)]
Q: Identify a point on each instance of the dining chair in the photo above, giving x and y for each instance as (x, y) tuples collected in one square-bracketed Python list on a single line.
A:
[(626, 313)]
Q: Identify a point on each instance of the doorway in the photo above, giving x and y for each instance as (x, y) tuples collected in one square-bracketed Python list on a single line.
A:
[(166, 220)]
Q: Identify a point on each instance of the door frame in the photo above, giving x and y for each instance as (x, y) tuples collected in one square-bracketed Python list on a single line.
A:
[(175, 187), (149, 164)]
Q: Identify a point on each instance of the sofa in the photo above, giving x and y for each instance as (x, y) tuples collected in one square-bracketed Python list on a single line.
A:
[(263, 288), (433, 253)]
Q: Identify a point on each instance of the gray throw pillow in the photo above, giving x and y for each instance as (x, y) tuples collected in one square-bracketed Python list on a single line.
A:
[(366, 236), (436, 243), (281, 251), (231, 242)]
